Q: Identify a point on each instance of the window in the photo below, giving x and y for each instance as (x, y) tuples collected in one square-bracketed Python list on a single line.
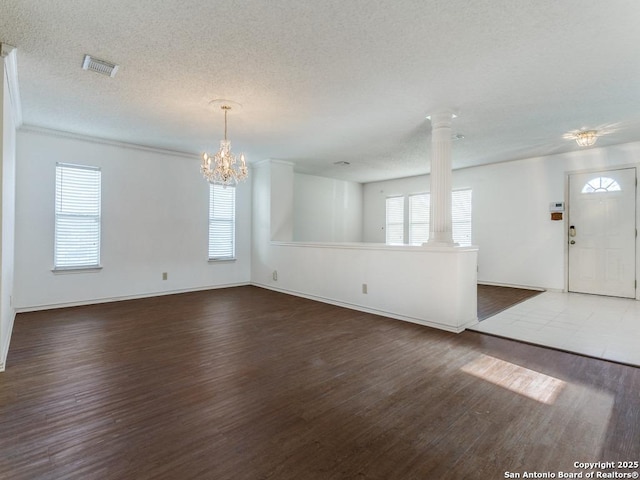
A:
[(222, 222), (418, 218), (395, 220), (601, 184), (77, 217), (461, 217)]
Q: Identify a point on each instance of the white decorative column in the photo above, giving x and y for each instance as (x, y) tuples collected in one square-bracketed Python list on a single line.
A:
[(440, 232)]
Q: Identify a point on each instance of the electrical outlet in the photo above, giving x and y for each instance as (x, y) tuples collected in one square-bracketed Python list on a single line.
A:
[(165, 275), (275, 275), (364, 288)]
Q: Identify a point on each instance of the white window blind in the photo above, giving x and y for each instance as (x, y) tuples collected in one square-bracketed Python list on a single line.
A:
[(222, 220), (395, 220), (419, 218), (461, 217), (77, 216)]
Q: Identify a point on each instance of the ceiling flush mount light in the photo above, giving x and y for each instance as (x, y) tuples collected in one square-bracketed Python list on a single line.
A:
[(224, 168), (586, 138)]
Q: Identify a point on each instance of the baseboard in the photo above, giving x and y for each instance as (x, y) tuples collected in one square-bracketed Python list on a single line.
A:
[(511, 285), (6, 342), (374, 311), (35, 308)]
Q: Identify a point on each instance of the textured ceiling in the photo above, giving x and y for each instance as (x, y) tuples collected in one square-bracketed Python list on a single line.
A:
[(333, 80)]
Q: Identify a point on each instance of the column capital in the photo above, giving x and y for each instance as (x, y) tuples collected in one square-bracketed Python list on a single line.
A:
[(8, 61), (441, 118), (6, 49)]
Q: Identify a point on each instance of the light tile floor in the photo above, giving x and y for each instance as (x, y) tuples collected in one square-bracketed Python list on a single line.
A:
[(601, 327)]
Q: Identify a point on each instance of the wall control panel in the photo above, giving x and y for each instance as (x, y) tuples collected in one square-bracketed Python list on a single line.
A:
[(556, 207)]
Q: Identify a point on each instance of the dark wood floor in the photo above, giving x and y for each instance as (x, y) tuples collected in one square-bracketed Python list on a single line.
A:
[(494, 299), (245, 383)]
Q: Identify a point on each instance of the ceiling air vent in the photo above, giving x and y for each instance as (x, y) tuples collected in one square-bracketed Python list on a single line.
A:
[(99, 66)]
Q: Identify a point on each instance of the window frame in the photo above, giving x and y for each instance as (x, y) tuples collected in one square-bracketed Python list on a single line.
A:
[(389, 199), (408, 222), (221, 221), (413, 223), (611, 186), (458, 235), (60, 193)]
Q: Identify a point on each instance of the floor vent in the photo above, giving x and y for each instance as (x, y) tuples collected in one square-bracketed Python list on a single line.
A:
[(99, 66)]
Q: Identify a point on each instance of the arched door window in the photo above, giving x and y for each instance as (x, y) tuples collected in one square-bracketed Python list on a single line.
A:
[(600, 185)]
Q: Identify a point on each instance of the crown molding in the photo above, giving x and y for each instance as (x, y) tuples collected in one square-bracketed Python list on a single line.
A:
[(9, 54), (282, 162), (271, 161), (104, 141)]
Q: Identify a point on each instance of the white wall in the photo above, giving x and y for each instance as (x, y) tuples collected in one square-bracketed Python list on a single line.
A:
[(154, 220), (326, 209), (519, 244), (281, 190), (374, 196), (7, 207), (435, 287)]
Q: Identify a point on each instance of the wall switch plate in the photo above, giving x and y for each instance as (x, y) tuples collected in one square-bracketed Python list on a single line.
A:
[(364, 288), (275, 275), (165, 275)]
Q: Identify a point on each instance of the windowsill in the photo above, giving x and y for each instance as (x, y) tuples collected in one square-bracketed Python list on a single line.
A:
[(222, 260), (63, 271)]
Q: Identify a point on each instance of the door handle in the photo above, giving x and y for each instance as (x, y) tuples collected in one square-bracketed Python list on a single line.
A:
[(572, 231)]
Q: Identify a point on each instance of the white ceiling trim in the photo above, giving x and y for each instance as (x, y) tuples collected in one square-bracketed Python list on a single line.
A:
[(271, 161), (104, 141), (9, 53)]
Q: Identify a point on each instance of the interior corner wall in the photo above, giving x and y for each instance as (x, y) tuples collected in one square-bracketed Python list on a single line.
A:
[(326, 209), (519, 244), (281, 180), (154, 220), (261, 217), (7, 215)]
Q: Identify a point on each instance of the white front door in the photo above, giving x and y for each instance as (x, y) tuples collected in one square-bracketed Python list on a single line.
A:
[(602, 233)]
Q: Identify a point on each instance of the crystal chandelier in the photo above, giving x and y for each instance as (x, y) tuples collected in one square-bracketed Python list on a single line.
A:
[(222, 168), (586, 138)]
